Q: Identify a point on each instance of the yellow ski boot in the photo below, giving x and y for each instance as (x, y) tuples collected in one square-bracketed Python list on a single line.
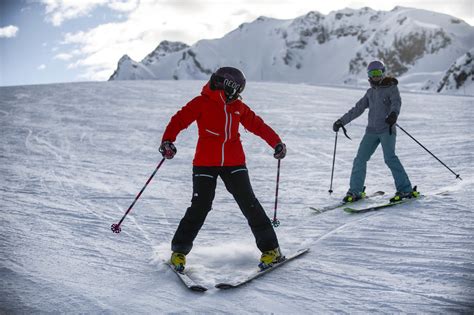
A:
[(178, 260), (269, 258)]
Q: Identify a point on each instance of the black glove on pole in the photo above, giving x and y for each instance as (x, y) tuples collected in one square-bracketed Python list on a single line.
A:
[(280, 151), (167, 149), (391, 120), (338, 124), (457, 175), (116, 227)]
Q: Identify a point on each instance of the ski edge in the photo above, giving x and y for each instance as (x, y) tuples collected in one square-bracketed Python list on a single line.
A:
[(378, 207), (187, 280), (238, 283)]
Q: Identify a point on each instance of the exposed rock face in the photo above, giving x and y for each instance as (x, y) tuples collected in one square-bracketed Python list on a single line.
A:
[(459, 75)]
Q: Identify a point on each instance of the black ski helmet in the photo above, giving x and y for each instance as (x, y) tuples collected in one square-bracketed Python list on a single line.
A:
[(230, 80)]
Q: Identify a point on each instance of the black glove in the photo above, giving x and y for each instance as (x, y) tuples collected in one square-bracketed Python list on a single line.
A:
[(391, 119), (338, 124), (167, 149), (280, 151)]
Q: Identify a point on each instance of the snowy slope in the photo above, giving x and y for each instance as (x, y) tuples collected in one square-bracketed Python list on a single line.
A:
[(416, 45), (74, 156)]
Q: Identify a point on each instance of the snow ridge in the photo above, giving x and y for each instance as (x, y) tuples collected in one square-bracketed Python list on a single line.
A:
[(418, 46)]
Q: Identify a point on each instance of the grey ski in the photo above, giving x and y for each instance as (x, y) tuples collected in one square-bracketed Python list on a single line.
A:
[(238, 282), (341, 203), (187, 280)]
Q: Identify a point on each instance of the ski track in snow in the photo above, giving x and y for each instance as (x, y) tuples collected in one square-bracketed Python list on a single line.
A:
[(74, 156)]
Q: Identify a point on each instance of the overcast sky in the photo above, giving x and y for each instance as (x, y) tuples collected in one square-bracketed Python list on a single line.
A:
[(45, 41)]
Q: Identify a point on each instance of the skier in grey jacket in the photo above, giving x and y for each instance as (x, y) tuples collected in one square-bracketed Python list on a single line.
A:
[(384, 102)]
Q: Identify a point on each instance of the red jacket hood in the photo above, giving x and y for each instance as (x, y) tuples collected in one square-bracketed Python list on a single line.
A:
[(216, 95)]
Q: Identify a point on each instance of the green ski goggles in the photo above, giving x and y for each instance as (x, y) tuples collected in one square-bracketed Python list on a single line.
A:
[(375, 73)]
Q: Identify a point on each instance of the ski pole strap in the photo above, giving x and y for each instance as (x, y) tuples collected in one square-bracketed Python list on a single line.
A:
[(345, 132), (457, 175)]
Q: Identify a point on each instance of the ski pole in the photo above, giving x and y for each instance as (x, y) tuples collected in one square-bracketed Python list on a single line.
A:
[(333, 161), (275, 221), (116, 227), (457, 175)]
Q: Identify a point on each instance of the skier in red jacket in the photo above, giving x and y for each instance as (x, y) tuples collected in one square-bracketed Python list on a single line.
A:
[(218, 112)]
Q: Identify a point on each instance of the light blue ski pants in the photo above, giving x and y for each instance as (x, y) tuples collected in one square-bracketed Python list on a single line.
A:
[(367, 147)]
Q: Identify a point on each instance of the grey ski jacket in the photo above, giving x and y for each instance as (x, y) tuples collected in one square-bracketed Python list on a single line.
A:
[(381, 101)]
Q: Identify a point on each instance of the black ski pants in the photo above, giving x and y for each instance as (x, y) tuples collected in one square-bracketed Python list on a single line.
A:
[(237, 182)]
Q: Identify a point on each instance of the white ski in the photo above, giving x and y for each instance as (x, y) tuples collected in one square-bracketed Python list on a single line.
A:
[(341, 203), (238, 282), (187, 280)]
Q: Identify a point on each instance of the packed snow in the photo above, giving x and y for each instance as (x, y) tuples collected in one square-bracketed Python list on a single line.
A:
[(74, 156)]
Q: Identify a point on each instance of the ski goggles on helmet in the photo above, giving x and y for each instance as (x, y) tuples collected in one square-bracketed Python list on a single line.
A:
[(375, 73)]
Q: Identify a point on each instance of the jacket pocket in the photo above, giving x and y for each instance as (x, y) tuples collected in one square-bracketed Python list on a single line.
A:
[(212, 132)]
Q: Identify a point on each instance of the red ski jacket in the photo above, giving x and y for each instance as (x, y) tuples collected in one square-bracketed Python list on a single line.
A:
[(219, 141)]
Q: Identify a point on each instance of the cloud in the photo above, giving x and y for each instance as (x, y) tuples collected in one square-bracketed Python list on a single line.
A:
[(63, 56), (58, 11), (8, 31), (151, 22), (41, 67)]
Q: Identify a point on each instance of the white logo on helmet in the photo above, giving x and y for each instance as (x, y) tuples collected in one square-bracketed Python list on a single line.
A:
[(232, 84)]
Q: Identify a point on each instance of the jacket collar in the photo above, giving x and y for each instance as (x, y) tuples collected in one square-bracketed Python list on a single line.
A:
[(385, 82), (215, 95)]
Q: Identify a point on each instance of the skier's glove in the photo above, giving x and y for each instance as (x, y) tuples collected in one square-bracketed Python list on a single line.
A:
[(391, 119), (280, 151), (167, 149), (338, 124)]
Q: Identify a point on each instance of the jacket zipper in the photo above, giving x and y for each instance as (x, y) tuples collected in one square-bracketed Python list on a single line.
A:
[(225, 131)]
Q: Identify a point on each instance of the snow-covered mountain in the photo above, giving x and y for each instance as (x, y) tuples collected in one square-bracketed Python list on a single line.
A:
[(129, 69), (416, 45), (74, 156)]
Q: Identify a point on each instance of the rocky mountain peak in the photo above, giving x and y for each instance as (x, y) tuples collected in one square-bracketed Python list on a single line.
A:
[(164, 48)]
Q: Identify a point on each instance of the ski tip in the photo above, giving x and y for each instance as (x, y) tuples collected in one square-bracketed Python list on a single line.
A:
[(315, 209), (224, 286), (198, 288), (349, 210), (303, 250)]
